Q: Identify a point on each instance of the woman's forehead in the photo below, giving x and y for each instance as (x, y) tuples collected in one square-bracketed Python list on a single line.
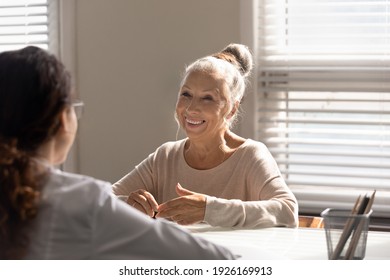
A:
[(205, 79)]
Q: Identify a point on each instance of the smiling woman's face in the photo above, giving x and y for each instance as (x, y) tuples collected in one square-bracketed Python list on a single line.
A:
[(202, 105)]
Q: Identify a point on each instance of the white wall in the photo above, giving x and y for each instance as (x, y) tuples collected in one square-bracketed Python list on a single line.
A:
[(129, 58)]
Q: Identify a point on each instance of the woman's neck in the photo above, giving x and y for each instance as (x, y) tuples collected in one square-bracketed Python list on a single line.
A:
[(211, 153), (48, 153)]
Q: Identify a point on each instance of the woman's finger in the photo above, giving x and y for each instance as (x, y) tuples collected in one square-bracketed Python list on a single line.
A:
[(143, 201)]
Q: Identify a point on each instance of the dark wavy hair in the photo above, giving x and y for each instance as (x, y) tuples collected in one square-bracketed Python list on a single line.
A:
[(34, 90)]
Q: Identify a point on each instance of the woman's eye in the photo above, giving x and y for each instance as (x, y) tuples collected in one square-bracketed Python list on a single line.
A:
[(208, 98), (185, 94)]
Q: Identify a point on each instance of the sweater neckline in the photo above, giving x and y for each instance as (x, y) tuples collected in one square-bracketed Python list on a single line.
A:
[(221, 165)]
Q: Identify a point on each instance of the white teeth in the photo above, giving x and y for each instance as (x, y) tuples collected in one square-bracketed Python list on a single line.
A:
[(194, 122)]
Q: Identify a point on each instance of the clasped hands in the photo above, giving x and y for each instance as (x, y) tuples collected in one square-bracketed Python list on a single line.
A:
[(188, 208)]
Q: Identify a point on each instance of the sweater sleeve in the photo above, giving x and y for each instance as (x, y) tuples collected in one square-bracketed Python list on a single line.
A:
[(141, 177), (278, 207), (271, 202)]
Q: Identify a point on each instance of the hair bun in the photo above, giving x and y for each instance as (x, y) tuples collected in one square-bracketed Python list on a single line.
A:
[(242, 55)]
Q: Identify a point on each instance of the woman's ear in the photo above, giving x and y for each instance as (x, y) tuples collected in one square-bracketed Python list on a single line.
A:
[(66, 120), (233, 111), (64, 137)]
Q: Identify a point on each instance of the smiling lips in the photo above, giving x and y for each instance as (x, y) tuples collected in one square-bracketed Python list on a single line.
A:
[(194, 122)]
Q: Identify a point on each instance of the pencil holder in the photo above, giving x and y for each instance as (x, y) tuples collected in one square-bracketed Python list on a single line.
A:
[(346, 234)]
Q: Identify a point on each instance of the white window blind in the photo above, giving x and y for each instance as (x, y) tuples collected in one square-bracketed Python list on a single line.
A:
[(323, 95), (28, 22)]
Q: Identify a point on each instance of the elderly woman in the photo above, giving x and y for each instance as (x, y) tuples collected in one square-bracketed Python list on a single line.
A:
[(213, 175)]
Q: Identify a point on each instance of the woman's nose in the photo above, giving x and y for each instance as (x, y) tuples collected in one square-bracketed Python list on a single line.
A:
[(193, 105)]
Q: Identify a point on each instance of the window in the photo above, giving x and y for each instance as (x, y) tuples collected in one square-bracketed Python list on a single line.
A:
[(28, 22), (323, 98)]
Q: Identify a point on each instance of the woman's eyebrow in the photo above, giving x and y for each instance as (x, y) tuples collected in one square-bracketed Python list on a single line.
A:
[(185, 86), (211, 90)]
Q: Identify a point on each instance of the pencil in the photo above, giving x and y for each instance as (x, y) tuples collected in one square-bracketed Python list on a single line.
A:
[(356, 236), (347, 229)]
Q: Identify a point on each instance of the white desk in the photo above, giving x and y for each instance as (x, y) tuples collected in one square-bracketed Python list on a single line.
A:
[(286, 243)]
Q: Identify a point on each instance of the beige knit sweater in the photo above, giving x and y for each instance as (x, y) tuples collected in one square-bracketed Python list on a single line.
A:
[(246, 190)]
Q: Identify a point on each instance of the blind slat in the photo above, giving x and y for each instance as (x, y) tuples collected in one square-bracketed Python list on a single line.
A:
[(353, 184), (335, 163), (330, 121), (319, 132), (327, 142), (330, 152), (337, 174), (329, 111)]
